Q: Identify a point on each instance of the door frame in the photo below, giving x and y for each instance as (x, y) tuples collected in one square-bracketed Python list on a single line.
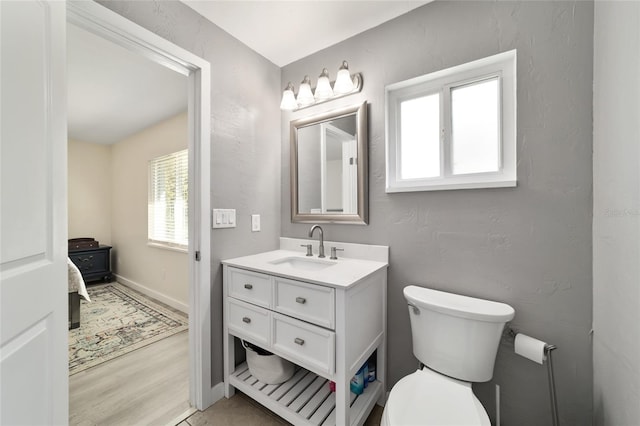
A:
[(101, 21)]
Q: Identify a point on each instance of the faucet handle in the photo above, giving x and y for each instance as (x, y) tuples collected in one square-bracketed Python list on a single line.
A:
[(309, 249), (334, 256)]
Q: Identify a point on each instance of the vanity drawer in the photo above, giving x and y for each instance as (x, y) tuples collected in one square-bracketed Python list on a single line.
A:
[(246, 320), (308, 302), (305, 344), (251, 287)]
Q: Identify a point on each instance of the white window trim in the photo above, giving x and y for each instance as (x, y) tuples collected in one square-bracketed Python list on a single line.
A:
[(168, 246), (502, 65)]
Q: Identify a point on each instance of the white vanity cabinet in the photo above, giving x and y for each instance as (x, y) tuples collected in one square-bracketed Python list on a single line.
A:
[(327, 327)]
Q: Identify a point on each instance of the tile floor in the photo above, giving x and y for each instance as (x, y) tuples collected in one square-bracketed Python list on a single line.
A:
[(240, 410)]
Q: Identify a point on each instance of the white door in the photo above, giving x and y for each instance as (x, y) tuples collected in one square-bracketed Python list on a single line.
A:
[(350, 176), (33, 223)]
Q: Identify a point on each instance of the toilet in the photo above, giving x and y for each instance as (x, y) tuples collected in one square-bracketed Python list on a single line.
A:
[(456, 338)]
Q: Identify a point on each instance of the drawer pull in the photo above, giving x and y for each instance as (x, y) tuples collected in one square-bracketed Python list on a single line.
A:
[(248, 286), (298, 341), (301, 300), (246, 319)]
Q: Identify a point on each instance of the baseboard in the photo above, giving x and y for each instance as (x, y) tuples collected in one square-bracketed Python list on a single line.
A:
[(176, 304)]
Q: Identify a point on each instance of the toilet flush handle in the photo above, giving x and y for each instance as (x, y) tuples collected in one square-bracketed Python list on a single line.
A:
[(416, 311)]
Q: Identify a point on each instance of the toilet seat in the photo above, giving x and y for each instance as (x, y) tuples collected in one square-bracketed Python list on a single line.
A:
[(427, 398)]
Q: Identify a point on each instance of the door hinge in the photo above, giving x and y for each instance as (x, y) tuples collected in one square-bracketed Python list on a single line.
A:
[(197, 256)]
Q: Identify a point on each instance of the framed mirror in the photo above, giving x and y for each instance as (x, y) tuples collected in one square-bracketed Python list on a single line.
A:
[(329, 167)]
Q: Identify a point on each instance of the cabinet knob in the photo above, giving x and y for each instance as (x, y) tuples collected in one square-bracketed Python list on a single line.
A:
[(301, 300), (298, 341), (246, 319), (248, 286)]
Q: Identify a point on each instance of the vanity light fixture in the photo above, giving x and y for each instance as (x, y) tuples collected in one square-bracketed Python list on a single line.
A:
[(288, 98), (323, 89), (344, 85), (305, 97)]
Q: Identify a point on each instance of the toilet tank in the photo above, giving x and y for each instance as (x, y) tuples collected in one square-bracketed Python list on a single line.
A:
[(456, 335)]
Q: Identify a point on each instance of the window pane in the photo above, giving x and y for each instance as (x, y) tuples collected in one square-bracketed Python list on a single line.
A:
[(475, 111), (420, 137), (168, 199)]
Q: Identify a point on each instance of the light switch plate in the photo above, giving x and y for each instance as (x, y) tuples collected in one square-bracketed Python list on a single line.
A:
[(255, 222), (223, 218)]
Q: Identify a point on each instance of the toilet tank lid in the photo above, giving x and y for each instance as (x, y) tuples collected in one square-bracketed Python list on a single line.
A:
[(458, 305)]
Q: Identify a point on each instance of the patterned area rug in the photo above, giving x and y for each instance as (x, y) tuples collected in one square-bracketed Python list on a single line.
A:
[(117, 321)]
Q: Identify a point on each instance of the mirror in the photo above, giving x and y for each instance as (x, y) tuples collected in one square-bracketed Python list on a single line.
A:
[(329, 167)]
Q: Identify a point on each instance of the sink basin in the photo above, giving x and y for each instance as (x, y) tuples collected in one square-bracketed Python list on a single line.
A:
[(303, 263)]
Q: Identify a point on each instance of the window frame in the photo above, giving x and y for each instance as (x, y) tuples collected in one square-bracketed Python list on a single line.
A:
[(502, 66), (155, 242)]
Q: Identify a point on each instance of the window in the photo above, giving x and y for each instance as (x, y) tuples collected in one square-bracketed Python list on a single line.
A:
[(168, 200), (454, 129)]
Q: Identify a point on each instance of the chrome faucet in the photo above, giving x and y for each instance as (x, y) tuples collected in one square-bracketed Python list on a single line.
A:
[(313, 228)]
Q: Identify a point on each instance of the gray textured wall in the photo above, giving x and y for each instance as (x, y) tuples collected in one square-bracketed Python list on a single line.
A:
[(616, 214), (245, 135), (529, 246)]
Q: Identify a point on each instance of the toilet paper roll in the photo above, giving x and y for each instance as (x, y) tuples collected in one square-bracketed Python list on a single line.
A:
[(530, 348)]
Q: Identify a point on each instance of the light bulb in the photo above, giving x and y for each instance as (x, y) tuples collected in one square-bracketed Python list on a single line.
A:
[(305, 97), (323, 89), (288, 99), (344, 83)]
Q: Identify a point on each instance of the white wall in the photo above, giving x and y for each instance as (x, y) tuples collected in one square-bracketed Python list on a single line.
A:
[(159, 272), (89, 168), (616, 214), (108, 193)]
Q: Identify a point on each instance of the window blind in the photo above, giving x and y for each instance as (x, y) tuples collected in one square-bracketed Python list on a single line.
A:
[(168, 216)]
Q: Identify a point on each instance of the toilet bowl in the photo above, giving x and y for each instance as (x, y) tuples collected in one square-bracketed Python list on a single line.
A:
[(456, 338), (428, 398)]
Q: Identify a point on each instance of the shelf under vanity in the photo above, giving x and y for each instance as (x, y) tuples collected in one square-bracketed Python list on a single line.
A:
[(305, 399)]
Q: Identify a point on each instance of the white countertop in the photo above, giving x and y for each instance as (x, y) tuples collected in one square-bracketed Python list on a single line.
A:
[(343, 273)]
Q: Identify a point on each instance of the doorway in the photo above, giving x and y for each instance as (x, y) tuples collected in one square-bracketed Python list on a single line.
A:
[(102, 22), (127, 165)]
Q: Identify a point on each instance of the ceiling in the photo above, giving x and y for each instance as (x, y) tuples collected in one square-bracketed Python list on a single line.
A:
[(113, 93), (285, 31)]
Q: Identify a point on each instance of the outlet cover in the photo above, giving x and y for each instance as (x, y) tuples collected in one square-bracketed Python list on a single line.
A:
[(255, 222)]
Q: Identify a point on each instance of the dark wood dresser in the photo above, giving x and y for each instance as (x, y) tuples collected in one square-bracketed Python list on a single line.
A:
[(94, 263)]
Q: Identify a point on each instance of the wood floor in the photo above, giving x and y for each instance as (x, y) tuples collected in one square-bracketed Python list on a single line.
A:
[(149, 386)]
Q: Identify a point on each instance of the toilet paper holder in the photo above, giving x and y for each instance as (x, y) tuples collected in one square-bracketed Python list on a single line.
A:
[(552, 386)]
